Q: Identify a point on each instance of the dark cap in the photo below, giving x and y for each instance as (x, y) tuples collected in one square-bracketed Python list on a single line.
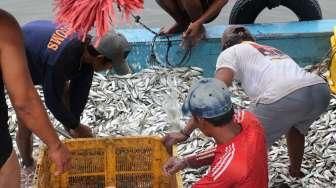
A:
[(113, 44)]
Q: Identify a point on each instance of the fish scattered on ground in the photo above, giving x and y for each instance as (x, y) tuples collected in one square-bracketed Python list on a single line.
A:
[(137, 105)]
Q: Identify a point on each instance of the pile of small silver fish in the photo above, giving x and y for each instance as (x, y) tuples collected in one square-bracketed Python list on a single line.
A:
[(138, 104)]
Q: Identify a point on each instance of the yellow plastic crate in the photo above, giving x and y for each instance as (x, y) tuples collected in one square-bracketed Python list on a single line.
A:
[(125, 162), (332, 67)]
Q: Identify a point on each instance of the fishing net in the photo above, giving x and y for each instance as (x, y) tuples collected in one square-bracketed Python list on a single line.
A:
[(82, 16)]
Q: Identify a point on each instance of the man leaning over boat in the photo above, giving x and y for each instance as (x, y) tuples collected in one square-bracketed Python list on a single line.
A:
[(285, 98)]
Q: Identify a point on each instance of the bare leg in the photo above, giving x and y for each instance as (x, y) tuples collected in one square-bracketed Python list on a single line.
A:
[(174, 10), (194, 33), (24, 142), (193, 8), (10, 172), (295, 144)]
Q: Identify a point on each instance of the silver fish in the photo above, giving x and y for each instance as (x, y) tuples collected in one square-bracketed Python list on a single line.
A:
[(134, 104)]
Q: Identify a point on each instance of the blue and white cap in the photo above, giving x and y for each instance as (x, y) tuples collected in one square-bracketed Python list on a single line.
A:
[(208, 98)]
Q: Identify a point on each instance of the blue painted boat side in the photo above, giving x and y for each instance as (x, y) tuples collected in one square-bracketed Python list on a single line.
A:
[(306, 42)]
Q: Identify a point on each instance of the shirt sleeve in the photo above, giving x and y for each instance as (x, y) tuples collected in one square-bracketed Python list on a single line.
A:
[(53, 89), (211, 180), (208, 181), (223, 171), (79, 90), (201, 159), (227, 59), (223, 182)]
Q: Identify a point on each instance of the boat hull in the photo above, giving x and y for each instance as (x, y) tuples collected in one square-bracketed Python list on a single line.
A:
[(306, 42)]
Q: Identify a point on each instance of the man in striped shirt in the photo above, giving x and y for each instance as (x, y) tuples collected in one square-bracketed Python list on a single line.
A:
[(240, 158)]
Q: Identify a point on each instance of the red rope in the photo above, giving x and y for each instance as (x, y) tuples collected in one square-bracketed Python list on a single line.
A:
[(81, 16)]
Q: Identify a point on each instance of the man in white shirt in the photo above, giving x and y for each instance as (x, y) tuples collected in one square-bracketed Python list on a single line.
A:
[(285, 98)]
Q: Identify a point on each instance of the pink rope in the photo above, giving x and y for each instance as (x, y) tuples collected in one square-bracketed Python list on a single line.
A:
[(82, 16)]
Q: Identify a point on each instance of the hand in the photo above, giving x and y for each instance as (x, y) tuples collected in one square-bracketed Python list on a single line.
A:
[(194, 33), (174, 165), (173, 138), (296, 173), (60, 155), (82, 131)]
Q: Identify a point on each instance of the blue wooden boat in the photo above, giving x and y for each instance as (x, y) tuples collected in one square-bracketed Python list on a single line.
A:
[(306, 42)]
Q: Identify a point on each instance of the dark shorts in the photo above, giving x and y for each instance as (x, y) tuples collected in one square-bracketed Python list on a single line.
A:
[(6, 146), (298, 109), (206, 4)]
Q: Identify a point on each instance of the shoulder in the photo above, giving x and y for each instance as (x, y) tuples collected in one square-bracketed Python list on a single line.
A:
[(253, 139), (73, 48), (73, 43), (39, 23), (228, 56), (235, 51), (240, 46), (249, 121), (7, 20), (10, 30), (39, 28), (68, 54), (69, 47), (244, 115), (228, 51), (254, 134)]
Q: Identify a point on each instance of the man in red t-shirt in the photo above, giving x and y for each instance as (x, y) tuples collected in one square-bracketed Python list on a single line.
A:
[(240, 158)]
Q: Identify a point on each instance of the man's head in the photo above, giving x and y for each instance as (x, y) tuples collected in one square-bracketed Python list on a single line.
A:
[(209, 102), (111, 51), (235, 34)]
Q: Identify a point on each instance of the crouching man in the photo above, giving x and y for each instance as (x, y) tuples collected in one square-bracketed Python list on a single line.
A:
[(64, 66), (239, 159)]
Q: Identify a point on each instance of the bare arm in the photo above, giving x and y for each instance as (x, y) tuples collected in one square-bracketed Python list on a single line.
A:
[(176, 137), (22, 93), (212, 11), (174, 164), (226, 75), (189, 128)]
